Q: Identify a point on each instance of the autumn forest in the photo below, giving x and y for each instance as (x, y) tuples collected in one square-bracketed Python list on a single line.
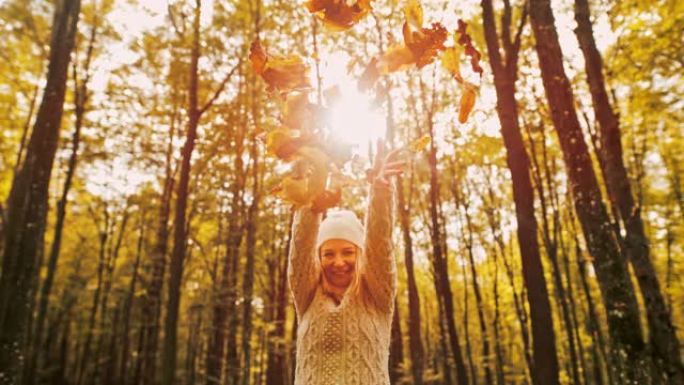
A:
[(153, 154)]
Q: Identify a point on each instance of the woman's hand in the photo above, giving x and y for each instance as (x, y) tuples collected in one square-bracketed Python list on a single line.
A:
[(385, 164)]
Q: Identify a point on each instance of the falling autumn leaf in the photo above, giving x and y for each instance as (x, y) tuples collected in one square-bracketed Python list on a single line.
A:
[(396, 58), (414, 13), (283, 143), (339, 15), (467, 102), (451, 62), (466, 41), (425, 43), (283, 74)]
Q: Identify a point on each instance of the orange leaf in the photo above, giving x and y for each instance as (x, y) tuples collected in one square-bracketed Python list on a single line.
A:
[(283, 74), (467, 101), (425, 43), (396, 58), (338, 15)]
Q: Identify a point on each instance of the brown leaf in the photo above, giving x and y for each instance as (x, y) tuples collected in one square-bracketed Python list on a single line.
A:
[(338, 15), (426, 43), (465, 41), (283, 74)]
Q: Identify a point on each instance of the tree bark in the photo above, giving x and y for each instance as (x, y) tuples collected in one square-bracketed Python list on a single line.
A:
[(442, 286), (662, 335), (80, 103), (130, 298), (225, 298), (616, 287), (415, 343), (505, 75), (28, 199), (180, 232)]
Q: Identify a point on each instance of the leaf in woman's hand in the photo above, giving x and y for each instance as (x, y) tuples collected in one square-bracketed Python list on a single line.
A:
[(326, 200)]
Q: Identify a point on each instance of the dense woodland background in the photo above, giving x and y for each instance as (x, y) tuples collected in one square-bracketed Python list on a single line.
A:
[(541, 242)]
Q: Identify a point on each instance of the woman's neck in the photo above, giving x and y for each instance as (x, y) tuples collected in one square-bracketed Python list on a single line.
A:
[(335, 292)]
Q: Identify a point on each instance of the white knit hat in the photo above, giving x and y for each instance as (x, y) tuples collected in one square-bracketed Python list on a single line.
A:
[(342, 224)]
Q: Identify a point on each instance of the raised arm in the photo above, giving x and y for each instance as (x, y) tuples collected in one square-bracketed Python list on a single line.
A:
[(303, 268), (380, 273)]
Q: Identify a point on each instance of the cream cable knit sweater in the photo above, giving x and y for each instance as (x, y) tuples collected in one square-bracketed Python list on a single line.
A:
[(345, 344)]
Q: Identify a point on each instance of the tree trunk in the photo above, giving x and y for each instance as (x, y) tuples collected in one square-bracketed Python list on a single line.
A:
[(521, 314), (396, 357), (276, 369), (151, 312), (662, 335), (479, 303), (28, 199), (248, 283), (505, 76), (104, 239), (123, 373), (180, 232), (415, 343), (613, 276), (442, 286)]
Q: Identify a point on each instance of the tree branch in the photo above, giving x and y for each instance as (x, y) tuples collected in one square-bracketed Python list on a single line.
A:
[(220, 89)]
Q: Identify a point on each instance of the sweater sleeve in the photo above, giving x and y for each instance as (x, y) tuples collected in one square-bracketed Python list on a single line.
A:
[(303, 268), (380, 275)]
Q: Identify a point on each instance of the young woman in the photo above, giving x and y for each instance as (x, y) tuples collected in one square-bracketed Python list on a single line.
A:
[(343, 280)]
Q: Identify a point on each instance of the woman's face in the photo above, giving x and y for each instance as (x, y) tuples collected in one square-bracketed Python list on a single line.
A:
[(338, 260)]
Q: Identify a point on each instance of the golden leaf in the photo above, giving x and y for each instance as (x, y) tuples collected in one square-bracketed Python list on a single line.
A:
[(283, 142), (451, 62), (317, 160), (467, 103), (397, 57), (295, 190), (283, 74), (414, 13)]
